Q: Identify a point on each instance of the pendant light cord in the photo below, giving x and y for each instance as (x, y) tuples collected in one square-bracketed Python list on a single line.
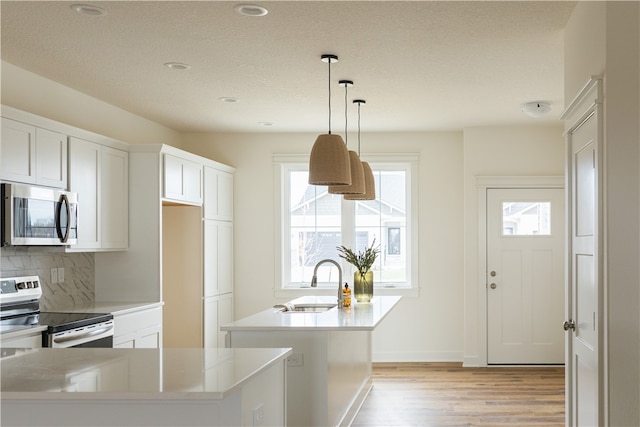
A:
[(346, 135), (359, 129), (329, 86)]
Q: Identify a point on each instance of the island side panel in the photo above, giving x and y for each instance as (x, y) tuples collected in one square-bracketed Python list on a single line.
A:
[(122, 412), (263, 399), (307, 378), (349, 374)]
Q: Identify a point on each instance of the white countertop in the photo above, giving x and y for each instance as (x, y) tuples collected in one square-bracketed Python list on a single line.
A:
[(358, 317), (100, 373), (113, 307)]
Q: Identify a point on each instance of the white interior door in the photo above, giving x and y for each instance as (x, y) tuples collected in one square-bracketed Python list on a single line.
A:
[(525, 276), (583, 323)]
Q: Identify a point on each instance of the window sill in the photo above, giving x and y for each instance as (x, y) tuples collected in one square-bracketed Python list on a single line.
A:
[(299, 292)]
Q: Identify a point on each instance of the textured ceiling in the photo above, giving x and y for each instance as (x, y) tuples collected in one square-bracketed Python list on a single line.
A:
[(420, 65)]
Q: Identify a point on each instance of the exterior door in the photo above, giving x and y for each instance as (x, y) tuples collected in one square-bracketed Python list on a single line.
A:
[(525, 276)]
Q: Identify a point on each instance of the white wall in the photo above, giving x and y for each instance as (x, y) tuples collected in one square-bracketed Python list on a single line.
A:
[(509, 151), (602, 38), (30, 92), (432, 326)]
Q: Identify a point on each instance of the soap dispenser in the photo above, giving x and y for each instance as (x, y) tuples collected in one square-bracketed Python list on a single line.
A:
[(346, 296)]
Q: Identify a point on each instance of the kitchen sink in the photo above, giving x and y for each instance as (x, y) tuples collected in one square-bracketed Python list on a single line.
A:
[(306, 308)]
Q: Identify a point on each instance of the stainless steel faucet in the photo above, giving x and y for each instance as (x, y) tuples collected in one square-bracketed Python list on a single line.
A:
[(314, 279)]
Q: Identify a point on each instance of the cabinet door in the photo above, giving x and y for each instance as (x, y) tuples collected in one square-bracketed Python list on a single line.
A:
[(18, 152), (51, 158), (173, 178), (84, 171), (192, 182), (218, 194), (114, 198), (211, 327), (182, 180), (218, 257), (225, 316)]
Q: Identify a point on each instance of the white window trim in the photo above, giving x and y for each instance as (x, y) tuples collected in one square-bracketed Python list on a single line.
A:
[(413, 288)]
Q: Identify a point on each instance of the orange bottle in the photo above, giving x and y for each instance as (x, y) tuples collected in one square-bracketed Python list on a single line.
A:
[(346, 296)]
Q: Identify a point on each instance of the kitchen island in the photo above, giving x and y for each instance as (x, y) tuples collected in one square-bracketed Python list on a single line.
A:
[(329, 372), (143, 387)]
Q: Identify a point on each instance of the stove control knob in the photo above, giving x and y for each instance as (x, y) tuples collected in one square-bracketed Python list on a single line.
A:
[(21, 285), (29, 285), (36, 284)]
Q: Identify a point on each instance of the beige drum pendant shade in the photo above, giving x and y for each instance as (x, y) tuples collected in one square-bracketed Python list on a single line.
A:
[(357, 178), (329, 163), (369, 186)]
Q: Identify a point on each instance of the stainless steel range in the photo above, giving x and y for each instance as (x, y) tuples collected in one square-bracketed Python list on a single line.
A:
[(20, 310)]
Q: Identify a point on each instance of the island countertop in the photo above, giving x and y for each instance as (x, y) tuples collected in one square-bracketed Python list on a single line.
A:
[(358, 317), (125, 374)]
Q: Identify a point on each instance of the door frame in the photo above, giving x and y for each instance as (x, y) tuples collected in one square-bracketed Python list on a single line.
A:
[(483, 184)]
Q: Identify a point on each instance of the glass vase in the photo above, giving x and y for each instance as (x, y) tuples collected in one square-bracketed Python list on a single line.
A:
[(363, 286)]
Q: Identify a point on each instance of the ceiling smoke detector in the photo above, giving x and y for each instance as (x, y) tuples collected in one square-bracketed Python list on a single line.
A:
[(251, 10), (536, 108)]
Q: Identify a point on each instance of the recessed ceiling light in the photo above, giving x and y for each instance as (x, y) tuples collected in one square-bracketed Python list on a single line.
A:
[(87, 9), (177, 66), (265, 123), (228, 99), (251, 10)]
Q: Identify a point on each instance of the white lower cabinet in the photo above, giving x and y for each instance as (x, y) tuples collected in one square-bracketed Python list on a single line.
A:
[(139, 329), (100, 176), (24, 341), (218, 311)]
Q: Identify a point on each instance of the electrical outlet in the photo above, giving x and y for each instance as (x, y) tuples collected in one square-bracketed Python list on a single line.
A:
[(60, 274), (54, 275), (258, 415), (295, 359)]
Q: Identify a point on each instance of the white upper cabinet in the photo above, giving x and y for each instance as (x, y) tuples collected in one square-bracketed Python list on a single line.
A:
[(100, 176), (84, 179), (33, 155), (114, 198), (218, 194), (182, 180)]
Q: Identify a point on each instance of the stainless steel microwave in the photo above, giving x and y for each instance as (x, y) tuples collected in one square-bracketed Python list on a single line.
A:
[(38, 216)]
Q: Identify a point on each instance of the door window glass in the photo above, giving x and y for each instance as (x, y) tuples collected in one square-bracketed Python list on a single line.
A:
[(526, 218)]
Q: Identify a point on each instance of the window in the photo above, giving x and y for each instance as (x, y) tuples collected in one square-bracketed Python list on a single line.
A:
[(314, 222), (526, 218)]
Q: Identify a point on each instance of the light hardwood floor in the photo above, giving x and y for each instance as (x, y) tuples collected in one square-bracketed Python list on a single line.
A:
[(445, 394)]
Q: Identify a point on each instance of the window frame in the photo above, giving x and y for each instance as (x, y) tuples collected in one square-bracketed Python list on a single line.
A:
[(284, 163)]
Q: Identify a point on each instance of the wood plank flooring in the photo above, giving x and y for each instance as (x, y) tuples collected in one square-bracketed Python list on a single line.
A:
[(445, 394)]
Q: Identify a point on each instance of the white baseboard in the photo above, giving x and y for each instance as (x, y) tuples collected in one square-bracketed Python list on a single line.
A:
[(431, 356)]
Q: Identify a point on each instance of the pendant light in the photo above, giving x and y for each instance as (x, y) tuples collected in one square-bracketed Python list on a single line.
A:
[(357, 173), (369, 182), (329, 163)]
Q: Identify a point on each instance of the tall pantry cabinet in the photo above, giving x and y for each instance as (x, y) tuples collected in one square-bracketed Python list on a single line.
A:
[(218, 253)]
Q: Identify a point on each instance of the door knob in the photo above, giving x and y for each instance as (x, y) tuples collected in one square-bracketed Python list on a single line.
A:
[(493, 286), (569, 324)]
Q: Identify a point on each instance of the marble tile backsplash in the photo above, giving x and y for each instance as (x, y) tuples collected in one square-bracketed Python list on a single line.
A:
[(79, 270)]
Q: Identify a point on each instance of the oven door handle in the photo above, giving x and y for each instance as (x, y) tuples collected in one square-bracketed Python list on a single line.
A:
[(85, 335)]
